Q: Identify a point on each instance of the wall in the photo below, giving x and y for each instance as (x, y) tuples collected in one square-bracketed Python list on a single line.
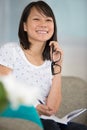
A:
[(72, 30)]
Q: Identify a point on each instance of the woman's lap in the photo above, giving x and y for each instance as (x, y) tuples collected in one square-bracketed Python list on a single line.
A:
[(73, 126), (51, 125)]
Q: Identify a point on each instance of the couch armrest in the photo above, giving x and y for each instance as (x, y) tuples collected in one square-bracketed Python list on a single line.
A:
[(74, 96)]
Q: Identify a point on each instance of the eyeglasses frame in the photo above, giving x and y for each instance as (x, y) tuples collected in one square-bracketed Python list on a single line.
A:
[(55, 62)]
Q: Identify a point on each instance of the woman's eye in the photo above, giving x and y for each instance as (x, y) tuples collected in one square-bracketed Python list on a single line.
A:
[(49, 20), (36, 19)]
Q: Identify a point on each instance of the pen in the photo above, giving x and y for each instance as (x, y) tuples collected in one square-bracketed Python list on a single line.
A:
[(40, 102)]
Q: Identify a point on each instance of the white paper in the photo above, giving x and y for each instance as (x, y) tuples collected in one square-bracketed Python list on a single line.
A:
[(67, 117)]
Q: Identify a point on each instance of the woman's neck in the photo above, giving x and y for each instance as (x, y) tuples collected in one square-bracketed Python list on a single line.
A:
[(34, 54), (36, 49)]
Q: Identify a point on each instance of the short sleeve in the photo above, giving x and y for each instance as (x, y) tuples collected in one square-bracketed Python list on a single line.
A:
[(7, 56)]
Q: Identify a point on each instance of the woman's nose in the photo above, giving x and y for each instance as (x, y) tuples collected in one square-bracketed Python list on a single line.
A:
[(43, 24)]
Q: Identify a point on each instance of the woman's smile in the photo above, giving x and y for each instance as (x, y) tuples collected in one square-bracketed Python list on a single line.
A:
[(38, 26), (42, 31)]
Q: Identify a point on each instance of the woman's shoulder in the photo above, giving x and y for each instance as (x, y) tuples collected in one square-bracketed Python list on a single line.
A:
[(7, 54), (48, 62), (9, 45)]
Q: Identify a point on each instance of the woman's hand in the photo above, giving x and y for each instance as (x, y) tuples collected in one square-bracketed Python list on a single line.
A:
[(54, 48), (56, 55), (44, 110)]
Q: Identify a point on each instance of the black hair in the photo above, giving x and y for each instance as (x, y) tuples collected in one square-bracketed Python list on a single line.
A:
[(44, 8)]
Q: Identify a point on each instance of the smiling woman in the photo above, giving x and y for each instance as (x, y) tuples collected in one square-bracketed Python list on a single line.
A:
[(31, 61)]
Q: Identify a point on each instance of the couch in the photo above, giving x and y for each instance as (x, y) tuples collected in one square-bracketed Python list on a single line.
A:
[(74, 96)]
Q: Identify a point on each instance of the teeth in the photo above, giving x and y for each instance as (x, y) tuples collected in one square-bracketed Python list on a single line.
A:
[(42, 32)]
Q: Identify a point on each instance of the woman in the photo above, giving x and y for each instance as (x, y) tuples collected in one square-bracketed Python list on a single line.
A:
[(37, 60)]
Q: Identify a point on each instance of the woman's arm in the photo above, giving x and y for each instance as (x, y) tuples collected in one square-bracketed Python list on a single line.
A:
[(4, 70), (53, 100), (54, 97)]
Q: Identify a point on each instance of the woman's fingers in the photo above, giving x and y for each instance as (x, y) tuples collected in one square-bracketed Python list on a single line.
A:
[(55, 51), (56, 46), (44, 110)]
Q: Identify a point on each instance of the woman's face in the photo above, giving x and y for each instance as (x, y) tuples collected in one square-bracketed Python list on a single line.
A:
[(39, 27)]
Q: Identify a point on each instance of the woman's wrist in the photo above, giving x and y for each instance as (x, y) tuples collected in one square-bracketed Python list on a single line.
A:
[(57, 76)]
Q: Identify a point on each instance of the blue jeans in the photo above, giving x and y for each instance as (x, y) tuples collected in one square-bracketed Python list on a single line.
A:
[(52, 125)]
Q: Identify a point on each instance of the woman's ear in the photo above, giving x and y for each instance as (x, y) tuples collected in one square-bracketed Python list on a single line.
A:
[(25, 27)]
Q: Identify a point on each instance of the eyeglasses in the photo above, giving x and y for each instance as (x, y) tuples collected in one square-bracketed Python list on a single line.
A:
[(56, 57)]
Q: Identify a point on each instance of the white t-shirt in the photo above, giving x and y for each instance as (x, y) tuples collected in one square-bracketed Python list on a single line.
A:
[(11, 55)]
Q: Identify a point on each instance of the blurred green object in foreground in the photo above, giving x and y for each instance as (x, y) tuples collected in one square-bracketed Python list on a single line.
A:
[(22, 112), (3, 98)]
